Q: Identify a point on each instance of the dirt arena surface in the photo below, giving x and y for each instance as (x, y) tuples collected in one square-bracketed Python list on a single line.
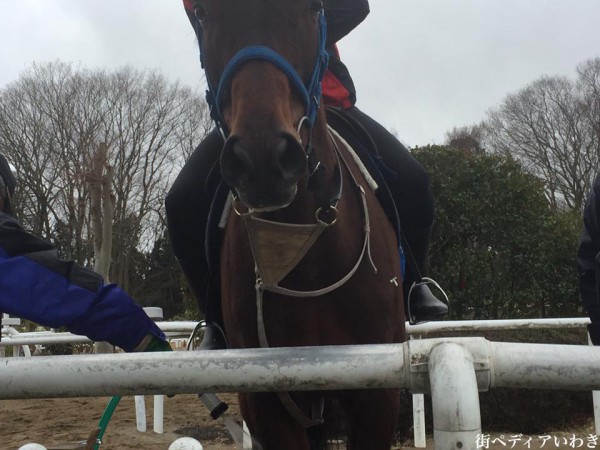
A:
[(56, 423)]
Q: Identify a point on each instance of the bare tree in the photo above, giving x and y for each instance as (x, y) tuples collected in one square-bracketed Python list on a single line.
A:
[(589, 85), (24, 138), (549, 127), (53, 120), (467, 139)]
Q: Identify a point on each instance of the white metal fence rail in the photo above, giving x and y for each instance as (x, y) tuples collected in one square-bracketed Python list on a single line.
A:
[(423, 330), (452, 370), (469, 364)]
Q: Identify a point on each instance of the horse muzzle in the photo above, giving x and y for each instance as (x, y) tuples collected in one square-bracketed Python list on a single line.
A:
[(264, 172)]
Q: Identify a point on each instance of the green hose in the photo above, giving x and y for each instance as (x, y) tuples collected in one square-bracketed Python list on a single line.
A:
[(106, 415)]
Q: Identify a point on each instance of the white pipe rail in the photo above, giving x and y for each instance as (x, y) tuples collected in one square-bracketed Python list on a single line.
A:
[(452, 369), (518, 372), (496, 325), (44, 338), (417, 331), (454, 396), (515, 365), (171, 329), (573, 367), (10, 331), (184, 328), (274, 369), (496, 364)]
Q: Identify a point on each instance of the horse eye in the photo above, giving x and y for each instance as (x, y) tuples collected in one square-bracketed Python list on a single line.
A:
[(199, 11), (316, 6)]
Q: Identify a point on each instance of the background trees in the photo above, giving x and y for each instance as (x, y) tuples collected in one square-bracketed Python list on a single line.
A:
[(498, 247), (512, 201), (553, 127), (96, 152), (97, 148)]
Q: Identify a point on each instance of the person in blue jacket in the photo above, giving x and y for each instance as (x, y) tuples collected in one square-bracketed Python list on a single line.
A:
[(588, 261), (36, 285)]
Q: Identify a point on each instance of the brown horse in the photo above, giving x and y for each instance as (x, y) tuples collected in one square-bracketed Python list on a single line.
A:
[(309, 257)]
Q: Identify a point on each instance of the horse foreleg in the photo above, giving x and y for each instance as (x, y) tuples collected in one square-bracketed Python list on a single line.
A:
[(270, 424), (372, 416)]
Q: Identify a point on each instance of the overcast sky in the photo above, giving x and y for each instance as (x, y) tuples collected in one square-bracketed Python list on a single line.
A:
[(421, 67)]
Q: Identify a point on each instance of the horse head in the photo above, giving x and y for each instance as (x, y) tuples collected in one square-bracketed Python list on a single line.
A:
[(264, 60)]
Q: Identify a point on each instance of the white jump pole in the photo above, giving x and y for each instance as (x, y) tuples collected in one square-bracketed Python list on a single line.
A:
[(140, 413), (155, 314), (420, 437), (496, 325), (172, 329), (596, 402), (184, 328), (497, 364), (418, 406), (158, 414), (250, 370)]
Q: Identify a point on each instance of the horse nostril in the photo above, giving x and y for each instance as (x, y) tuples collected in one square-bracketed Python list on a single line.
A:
[(291, 158), (235, 161)]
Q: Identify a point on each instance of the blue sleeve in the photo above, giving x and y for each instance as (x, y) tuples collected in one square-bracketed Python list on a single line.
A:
[(36, 285)]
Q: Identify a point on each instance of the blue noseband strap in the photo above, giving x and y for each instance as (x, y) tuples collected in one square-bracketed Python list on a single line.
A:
[(310, 91), (265, 53)]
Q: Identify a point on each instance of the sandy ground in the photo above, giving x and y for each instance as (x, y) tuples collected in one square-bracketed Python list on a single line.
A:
[(57, 422)]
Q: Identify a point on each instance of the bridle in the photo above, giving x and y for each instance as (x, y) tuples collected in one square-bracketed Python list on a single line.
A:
[(309, 90)]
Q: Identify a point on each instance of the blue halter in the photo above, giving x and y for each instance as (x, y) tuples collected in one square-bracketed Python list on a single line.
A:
[(309, 91)]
